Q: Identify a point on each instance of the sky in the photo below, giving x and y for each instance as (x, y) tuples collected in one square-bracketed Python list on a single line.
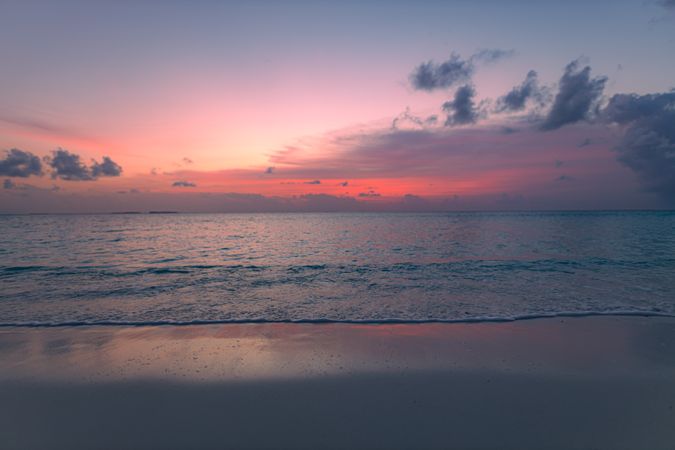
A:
[(217, 106)]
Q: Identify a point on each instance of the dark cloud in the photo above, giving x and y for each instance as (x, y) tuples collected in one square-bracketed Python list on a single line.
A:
[(8, 184), (269, 170), (18, 163), (648, 143), (577, 94), (344, 184), (461, 110), (187, 160), (412, 198), (628, 108), (313, 182), (430, 75), (67, 166), (564, 178), (183, 184), (368, 194), (559, 163), (108, 168), (670, 4), (517, 98)]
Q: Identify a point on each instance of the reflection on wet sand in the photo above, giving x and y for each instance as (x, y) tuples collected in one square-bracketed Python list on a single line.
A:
[(582, 346), (601, 383)]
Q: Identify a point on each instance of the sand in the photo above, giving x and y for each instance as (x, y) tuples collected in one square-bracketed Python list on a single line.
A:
[(573, 383)]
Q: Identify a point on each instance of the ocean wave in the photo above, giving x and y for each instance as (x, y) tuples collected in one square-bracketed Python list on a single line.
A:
[(487, 265), (390, 321)]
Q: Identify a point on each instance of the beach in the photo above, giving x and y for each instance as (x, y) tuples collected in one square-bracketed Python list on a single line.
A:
[(555, 383)]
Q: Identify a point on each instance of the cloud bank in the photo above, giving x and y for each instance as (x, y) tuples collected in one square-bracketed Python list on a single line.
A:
[(648, 143)]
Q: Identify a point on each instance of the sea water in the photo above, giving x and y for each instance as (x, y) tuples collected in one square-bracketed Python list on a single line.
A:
[(203, 268)]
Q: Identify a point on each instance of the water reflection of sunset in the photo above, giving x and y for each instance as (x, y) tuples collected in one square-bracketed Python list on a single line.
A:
[(286, 351)]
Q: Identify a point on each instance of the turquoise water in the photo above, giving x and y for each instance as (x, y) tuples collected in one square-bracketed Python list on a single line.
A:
[(186, 268)]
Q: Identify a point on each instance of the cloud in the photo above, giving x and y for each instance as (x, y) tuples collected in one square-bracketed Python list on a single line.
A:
[(369, 194), (68, 166), (490, 55), (46, 128), (430, 76), (577, 94), (183, 184), (187, 160), (408, 121), (344, 184), (648, 143), (461, 110), (18, 163), (629, 108), (312, 182), (269, 170), (24, 188), (517, 98), (108, 168), (464, 152), (670, 4), (564, 178)]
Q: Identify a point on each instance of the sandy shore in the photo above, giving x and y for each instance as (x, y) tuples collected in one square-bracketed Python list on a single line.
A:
[(582, 383)]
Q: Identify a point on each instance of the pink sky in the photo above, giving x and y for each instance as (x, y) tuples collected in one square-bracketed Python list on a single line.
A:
[(187, 107)]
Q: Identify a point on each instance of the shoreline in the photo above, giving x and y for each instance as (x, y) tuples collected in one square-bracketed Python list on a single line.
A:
[(391, 321), (554, 383)]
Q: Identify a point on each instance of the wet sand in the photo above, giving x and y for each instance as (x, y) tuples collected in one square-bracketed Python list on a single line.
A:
[(573, 383)]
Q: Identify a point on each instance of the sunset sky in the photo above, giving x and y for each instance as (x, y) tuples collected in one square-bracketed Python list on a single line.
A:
[(321, 106)]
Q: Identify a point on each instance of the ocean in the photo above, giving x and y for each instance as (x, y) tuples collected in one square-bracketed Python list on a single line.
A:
[(219, 268)]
